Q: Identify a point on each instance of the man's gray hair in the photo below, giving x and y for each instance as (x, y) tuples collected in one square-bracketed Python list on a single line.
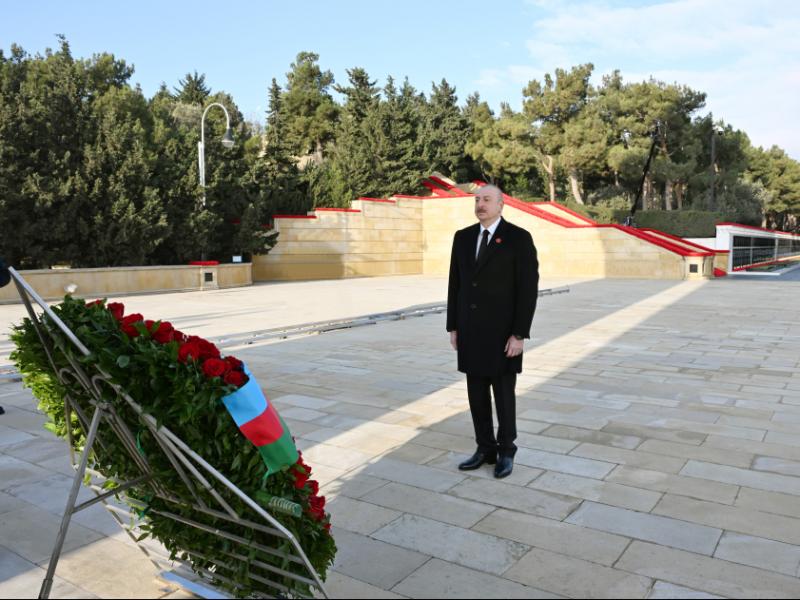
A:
[(498, 193)]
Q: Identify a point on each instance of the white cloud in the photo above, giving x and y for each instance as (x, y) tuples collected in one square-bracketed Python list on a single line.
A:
[(745, 55)]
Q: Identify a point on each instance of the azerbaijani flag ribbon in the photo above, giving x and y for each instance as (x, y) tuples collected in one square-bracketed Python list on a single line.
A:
[(260, 423)]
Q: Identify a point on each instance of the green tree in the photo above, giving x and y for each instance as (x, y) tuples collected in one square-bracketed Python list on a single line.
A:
[(400, 119), (125, 218), (445, 133), (482, 140), (721, 158), (780, 175), (308, 109), (632, 113), (252, 236), (361, 96), (585, 147), (280, 189), (195, 229), (227, 177), (175, 175), (502, 148), (192, 89), (357, 154), (551, 106), (46, 122)]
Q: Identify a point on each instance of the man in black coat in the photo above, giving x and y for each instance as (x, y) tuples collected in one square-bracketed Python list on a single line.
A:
[(494, 279), (5, 276)]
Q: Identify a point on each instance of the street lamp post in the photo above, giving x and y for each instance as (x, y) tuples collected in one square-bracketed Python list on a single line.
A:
[(227, 141), (714, 133)]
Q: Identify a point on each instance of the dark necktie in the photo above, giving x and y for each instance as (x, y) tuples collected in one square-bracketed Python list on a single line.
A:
[(484, 245)]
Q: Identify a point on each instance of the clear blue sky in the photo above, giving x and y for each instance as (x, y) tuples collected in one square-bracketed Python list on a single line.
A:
[(744, 54)]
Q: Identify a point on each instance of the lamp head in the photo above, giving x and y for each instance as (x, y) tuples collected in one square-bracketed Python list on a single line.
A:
[(227, 139)]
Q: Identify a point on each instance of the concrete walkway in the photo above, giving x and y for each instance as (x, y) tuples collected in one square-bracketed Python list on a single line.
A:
[(659, 447)]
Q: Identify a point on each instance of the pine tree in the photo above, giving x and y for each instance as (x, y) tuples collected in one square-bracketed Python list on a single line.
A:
[(780, 175), (551, 106), (175, 175), (127, 217), (445, 133), (192, 89), (279, 186), (357, 155), (309, 111), (361, 96), (402, 167)]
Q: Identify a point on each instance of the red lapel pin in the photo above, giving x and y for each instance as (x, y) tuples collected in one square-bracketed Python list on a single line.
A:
[(498, 240)]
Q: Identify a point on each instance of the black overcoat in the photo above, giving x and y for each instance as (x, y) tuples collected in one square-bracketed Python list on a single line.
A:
[(489, 301)]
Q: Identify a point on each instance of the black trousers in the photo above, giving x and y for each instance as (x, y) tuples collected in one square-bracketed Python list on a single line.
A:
[(480, 405)]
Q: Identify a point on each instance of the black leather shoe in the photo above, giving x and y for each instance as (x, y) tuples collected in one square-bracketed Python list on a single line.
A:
[(504, 466), (476, 460)]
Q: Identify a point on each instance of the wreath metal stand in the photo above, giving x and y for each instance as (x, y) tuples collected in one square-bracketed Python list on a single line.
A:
[(191, 470)]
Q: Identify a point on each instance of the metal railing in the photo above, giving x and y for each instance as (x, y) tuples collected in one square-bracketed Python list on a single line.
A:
[(753, 251)]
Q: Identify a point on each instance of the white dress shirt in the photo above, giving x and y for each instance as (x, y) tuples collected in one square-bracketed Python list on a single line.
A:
[(491, 229)]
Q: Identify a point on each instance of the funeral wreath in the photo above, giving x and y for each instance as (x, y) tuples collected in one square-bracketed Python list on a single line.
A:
[(214, 404)]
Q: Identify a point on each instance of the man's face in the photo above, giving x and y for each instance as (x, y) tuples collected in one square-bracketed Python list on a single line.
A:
[(488, 206)]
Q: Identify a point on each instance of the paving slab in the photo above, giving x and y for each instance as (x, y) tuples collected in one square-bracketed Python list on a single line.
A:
[(20, 578), (31, 533), (504, 495), (441, 579), (372, 561), (731, 518), (693, 487), (759, 552), (670, 591), (664, 531), (424, 503), (706, 574), (600, 491), (467, 548), (556, 536), (576, 578)]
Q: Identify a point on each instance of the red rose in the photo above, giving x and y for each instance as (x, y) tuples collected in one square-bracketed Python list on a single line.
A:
[(301, 474), (117, 309), (300, 481), (164, 333), (178, 336), (207, 349), (214, 367), (314, 487), (300, 464), (94, 303), (189, 350), (235, 363), (327, 527), (236, 378), (317, 507), (128, 325)]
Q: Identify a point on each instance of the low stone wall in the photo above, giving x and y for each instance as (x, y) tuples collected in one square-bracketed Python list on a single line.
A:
[(118, 281), (372, 238), (413, 235)]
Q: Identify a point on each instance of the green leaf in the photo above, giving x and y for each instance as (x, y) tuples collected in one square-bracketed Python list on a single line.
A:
[(123, 361)]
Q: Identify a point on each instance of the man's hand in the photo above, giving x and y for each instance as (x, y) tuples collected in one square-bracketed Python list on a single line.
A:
[(454, 340), (514, 347)]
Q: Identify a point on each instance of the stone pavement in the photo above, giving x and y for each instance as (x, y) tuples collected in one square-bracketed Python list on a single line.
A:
[(659, 435)]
